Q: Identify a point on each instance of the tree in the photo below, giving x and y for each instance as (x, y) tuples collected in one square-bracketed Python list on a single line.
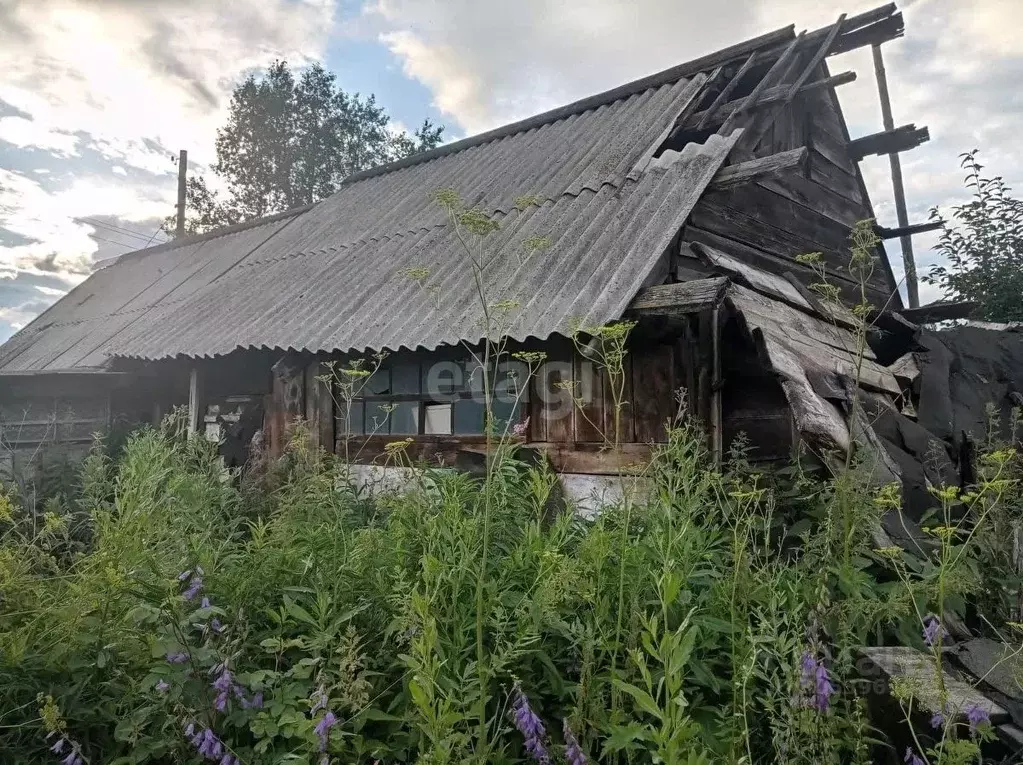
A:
[(289, 142), (983, 247)]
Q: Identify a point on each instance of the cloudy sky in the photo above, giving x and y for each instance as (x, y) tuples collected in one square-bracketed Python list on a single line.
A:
[(96, 96)]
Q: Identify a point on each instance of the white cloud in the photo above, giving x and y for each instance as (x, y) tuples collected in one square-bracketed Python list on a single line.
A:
[(138, 76), (58, 244), (134, 82)]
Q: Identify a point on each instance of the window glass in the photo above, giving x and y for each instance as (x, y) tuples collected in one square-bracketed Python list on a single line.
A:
[(378, 384), (349, 417), (442, 378), (404, 418), (437, 419), (504, 412), (378, 417), (510, 381), (405, 379), (468, 416)]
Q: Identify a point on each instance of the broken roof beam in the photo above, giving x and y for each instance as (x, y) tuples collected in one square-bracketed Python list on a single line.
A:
[(775, 76), (891, 141), (818, 57), (901, 231), (942, 310), (770, 96), (722, 97), (745, 172), (680, 298)]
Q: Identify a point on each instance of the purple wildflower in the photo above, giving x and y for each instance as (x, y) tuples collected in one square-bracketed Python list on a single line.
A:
[(816, 682), (59, 746), (223, 685), (938, 720), (209, 745), (228, 760), (177, 658), (216, 626), (323, 727), (911, 757), (573, 752), (530, 726), (977, 716), (325, 760), (162, 686), (933, 631), (257, 701), (184, 575), (521, 429), (205, 602), (194, 588), (72, 759), (190, 729)]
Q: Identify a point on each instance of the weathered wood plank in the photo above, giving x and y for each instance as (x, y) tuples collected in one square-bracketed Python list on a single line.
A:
[(623, 430), (765, 312), (557, 413), (653, 382), (319, 406), (678, 299), (917, 669), (816, 420), (589, 417), (773, 263), (816, 197), (629, 458), (942, 310), (902, 138), (827, 173), (744, 172), (785, 240), (758, 279), (882, 31)]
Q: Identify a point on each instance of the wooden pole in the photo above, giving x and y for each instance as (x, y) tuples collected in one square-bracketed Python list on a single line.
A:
[(909, 262), (182, 187), (194, 392)]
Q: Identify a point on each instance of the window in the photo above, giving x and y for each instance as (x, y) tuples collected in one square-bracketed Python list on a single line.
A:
[(433, 397)]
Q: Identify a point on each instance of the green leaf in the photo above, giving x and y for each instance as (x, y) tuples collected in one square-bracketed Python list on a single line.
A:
[(643, 699)]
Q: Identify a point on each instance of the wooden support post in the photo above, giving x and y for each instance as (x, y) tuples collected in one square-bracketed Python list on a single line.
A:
[(908, 260), (182, 192), (194, 404), (717, 439)]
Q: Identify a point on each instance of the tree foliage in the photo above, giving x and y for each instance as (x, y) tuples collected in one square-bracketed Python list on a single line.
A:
[(983, 247), (290, 139)]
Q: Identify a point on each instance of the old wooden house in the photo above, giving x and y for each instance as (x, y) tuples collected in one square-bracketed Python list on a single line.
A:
[(682, 200)]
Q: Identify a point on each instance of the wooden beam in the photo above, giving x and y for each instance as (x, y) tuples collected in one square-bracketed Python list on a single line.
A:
[(772, 96), (744, 172), (818, 57), (194, 393), (681, 298), (891, 28), (906, 240), (910, 230), (773, 74), (889, 141), (722, 97), (939, 311)]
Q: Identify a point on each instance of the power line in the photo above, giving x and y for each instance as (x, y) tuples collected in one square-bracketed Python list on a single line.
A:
[(118, 229)]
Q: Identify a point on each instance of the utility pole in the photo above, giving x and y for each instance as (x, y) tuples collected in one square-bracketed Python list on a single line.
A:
[(908, 261), (182, 187)]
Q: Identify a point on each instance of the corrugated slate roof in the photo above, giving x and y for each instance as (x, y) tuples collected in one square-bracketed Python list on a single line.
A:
[(329, 277)]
